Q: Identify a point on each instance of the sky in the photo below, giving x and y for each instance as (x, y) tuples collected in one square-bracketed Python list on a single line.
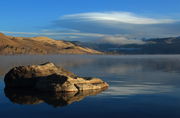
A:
[(113, 21)]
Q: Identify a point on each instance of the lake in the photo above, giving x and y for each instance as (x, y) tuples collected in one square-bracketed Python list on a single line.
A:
[(141, 86)]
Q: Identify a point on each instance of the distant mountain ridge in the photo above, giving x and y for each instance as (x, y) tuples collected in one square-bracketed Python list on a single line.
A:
[(170, 45), (40, 45)]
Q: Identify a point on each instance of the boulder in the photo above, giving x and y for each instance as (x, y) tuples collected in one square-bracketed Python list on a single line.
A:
[(49, 77)]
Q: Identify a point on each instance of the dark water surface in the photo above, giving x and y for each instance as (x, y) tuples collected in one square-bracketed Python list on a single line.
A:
[(140, 87)]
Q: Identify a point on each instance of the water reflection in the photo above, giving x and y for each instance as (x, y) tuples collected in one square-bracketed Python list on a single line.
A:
[(110, 64), (125, 90), (127, 75), (30, 97), (8, 62), (140, 86)]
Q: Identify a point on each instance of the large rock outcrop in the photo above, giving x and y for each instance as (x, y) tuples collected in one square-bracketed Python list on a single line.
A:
[(49, 77)]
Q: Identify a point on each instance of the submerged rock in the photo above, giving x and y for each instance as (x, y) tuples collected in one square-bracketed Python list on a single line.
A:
[(49, 77)]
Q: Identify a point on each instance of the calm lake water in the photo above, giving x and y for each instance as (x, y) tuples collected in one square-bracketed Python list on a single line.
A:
[(141, 86)]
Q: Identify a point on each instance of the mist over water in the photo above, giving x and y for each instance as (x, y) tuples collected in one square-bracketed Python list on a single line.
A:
[(142, 86)]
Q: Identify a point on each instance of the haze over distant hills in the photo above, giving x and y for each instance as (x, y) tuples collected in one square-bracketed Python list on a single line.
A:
[(40, 45), (45, 45), (170, 45)]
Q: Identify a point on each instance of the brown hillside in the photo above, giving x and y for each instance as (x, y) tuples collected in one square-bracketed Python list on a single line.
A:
[(40, 45)]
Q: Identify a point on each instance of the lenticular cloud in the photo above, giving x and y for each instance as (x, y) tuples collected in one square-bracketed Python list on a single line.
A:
[(124, 17)]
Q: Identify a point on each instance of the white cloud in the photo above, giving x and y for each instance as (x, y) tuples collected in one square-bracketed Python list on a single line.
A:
[(57, 33), (78, 35), (111, 27), (122, 17), (121, 40), (120, 23)]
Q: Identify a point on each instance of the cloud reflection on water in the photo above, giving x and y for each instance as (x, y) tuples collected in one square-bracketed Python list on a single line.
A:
[(124, 90)]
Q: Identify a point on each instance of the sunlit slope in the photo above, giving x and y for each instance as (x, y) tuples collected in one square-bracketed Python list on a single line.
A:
[(40, 45)]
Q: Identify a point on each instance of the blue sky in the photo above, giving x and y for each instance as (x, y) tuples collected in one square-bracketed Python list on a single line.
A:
[(108, 20)]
